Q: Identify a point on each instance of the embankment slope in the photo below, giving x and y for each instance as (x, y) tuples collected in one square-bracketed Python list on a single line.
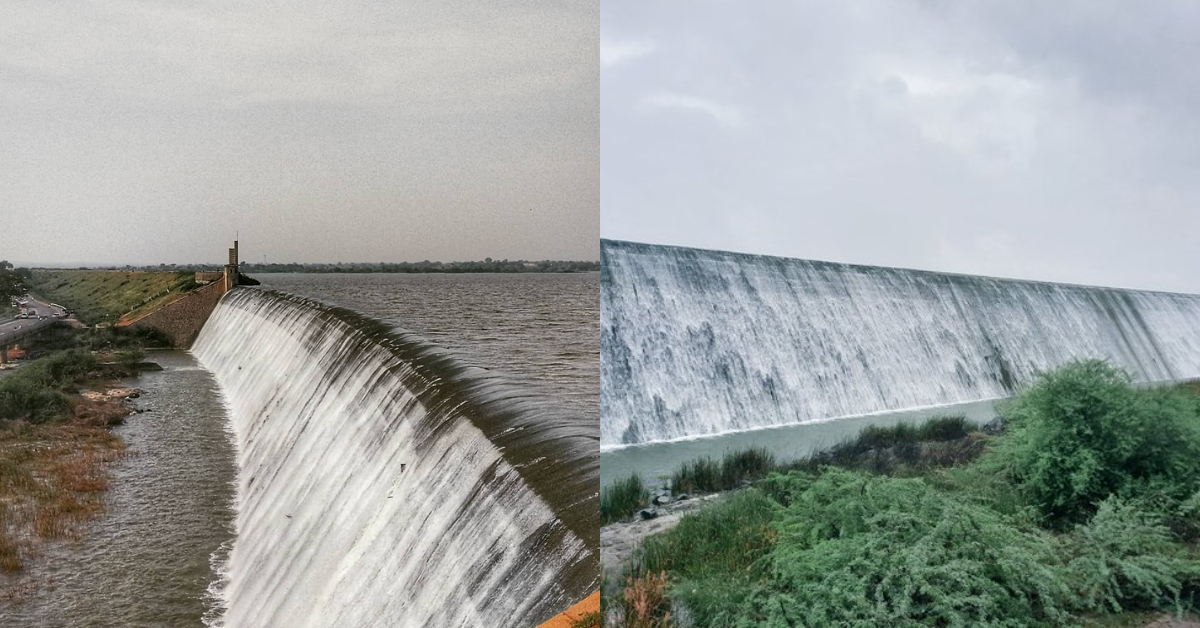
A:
[(108, 295)]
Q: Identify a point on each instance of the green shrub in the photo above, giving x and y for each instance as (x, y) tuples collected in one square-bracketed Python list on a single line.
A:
[(941, 429), (705, 475), (1125, 559), (1083, 432), (745, 465), (129, 358), (623, 498), (900, 449), (725, 537), (859, 550), (709, 555), (34, 392), (702, 475)]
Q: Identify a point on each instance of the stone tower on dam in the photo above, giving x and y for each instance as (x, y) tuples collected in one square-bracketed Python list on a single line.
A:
[(231, 268), (182, 319)]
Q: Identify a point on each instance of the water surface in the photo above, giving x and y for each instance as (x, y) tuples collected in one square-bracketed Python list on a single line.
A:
[(656, 461), (542, 327), (150, 560)]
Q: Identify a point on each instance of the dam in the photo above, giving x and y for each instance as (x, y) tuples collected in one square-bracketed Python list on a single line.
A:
[(375, 450), (697, 343), (384, 482)]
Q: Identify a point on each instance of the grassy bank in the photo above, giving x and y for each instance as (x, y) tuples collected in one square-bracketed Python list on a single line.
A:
[(55, 446), (108, 295), (1086, 511), (104, 340)]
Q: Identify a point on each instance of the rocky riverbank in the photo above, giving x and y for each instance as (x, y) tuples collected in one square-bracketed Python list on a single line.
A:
[(619, 541)]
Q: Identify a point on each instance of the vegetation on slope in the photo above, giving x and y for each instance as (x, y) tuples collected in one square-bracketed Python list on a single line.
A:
[(55, 445), (1087, 508), (106, 296), (54, 448), (623, 498), (901, 449)]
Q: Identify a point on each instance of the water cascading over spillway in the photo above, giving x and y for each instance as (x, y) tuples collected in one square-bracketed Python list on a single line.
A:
[(697, 342), (491, 522)]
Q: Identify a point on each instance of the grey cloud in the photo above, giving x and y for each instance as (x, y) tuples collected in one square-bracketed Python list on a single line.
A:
[(150, 131), (1012, 139)]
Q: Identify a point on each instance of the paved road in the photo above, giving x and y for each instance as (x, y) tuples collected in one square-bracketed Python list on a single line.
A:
[(13, 329)]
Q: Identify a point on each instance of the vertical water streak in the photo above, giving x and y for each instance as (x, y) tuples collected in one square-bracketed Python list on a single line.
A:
[(381, 483), (697, 342)]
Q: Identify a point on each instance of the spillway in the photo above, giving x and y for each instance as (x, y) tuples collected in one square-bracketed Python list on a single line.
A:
[(698, 342), (383, 483)]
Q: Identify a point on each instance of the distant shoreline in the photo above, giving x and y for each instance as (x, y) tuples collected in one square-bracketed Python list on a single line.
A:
[(407, 268)]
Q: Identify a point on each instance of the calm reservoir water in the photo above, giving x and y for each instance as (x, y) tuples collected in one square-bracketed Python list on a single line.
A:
[(542, 328), (656, 461), (151, 560)]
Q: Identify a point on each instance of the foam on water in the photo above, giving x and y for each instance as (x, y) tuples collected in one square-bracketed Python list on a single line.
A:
[(697, 342), (491, 522)]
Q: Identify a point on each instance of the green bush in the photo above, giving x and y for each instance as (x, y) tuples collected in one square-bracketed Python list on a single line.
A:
[(623, 498), (1125, 559), (705, 475), (34, 392), (709, 555), (748, 464), (1084, 432), (129, 358), (702, 475), (901, 449), (859, 550), (1111, 469)]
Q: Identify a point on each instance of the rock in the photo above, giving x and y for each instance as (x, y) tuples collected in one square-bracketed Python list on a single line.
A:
[(662, 500), (134, 395), (148, 366), (995, 426), (648, 514), (682, 497)]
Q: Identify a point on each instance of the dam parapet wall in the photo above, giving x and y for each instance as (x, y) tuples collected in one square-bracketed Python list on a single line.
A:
[(182, 319), (697, 342)]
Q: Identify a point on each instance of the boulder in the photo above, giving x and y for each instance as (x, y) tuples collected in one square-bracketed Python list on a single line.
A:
[(995, 426), (648, 514)]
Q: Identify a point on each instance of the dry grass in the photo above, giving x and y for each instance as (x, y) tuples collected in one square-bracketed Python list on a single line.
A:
[(52, 481), (645, 603)]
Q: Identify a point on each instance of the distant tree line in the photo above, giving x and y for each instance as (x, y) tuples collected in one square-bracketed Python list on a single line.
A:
[(486, 266), (12, 281)]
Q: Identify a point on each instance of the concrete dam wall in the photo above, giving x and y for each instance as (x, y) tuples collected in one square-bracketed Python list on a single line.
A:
[(182, 320), (698, 342), (383, 483)]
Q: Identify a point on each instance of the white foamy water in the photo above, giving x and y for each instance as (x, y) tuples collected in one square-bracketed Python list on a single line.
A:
[(491, 522), (698, 342)]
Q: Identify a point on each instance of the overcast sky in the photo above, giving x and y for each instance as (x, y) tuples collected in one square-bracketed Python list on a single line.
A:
[(149, 131), (1045, 140)]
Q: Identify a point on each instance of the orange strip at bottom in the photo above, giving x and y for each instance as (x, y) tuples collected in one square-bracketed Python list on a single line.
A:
[(589, 605)]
